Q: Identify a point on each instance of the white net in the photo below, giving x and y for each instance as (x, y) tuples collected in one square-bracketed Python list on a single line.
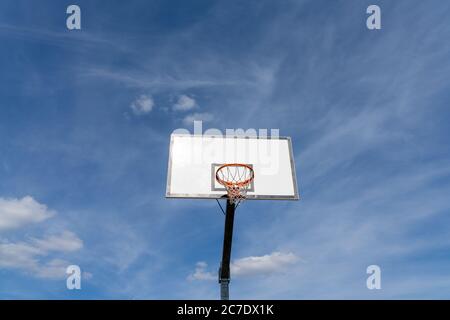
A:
[(237, 179)]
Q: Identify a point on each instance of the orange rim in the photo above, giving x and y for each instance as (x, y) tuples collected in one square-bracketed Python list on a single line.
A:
[(239, 183)]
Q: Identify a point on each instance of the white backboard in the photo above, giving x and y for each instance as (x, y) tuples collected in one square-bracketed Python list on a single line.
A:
[(193, 160)]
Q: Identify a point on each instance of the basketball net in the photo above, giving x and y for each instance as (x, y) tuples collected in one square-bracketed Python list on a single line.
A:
[(236, 178)]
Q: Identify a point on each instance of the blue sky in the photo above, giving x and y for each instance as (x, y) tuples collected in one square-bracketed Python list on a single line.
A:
[(85, 120)]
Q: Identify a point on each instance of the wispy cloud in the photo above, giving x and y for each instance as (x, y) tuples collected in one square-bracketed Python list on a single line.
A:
[(65, 242), (83, 39), (204, 116), (141, 80), (31, 256)]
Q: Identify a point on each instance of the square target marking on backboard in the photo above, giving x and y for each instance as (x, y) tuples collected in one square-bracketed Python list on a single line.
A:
[(216, 186)]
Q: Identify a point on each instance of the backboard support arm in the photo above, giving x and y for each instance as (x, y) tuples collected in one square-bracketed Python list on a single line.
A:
[(224, 271)]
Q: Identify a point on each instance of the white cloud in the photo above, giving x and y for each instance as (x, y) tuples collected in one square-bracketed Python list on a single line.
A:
[(15, 213), (36, 255), (18, 255), (65, 242), (189, 119), (270, 263), (200, 273), (184, 103), (54, 269), (142, 105), (28, 256)]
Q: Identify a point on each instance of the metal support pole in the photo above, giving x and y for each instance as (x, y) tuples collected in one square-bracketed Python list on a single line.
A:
[(224, 290), (224, 271)]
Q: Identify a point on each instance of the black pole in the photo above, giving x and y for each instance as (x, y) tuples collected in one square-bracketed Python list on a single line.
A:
[(224, 271)]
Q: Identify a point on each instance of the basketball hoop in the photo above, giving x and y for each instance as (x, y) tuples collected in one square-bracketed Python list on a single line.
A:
[(226, 167), (236, 178)]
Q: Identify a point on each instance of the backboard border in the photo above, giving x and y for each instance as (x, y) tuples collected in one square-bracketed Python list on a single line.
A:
[(169, 195)]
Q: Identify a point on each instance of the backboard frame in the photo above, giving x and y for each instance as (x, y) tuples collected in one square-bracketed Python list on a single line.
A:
[(170, 195)]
